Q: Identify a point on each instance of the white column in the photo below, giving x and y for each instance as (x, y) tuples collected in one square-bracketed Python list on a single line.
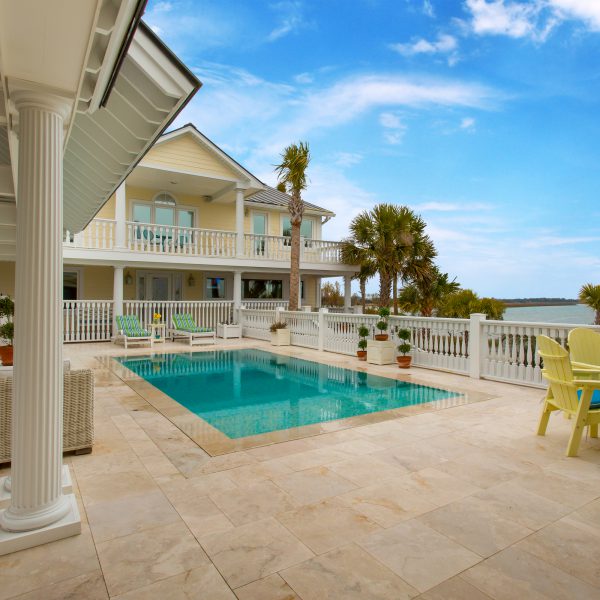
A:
[(347, 292), (120, 217), (117, 295), (321, 340), (476, 344), (37, 500), (318, 292), (239, 220), (237, 294)]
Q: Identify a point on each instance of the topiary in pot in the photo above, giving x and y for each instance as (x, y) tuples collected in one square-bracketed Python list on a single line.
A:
[(280, 334), (404, 348), (382, 324), (7, 330), (363, 332)]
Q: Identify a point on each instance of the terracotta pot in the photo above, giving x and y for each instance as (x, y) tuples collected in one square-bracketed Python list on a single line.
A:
[(381, 337), (404, 361), (6, 356), (362, 354)]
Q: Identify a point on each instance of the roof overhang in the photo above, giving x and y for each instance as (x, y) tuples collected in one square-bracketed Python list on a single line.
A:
[(152, 86)]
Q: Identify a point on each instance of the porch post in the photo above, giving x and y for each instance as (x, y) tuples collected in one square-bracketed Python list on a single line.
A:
[(117, 295), (239, 220), (318, 292), (120, 217), (476, 345), (38, 511), (237, 294), (347, 292)]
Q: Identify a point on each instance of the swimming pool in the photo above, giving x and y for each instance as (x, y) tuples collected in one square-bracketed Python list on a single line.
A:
[(249, 392)]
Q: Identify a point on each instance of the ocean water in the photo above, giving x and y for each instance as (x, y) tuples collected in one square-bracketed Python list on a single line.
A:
[(579, 314), (249, 392)]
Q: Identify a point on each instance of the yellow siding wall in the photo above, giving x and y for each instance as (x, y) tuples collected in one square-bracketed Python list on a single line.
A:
[(187, 154), (7, 278), (97, 283), (108, 210)]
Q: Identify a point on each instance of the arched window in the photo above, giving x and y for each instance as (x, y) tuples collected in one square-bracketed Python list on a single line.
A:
[(164, 199)]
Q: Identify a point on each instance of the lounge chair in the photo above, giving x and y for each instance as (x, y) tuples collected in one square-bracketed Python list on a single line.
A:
[(130, 331), (584, 346), (184, 326), (579, 399)]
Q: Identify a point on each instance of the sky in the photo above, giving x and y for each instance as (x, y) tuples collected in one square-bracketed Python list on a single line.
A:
[(481, 115)]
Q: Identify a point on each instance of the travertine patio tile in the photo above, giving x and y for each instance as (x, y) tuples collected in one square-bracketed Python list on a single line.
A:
[(253, 503), (253, 551), (347, 573), (569, 547), (327, 525), (455, 588), (89, 586), (513, 502), (272, 587), (587, 517), (129, 514), (284, 449), (387, 503), (256, 472), (312, 458), (140, 559), (366, 470), (420, 555), (514, 574), (203, 583), (312, 485), (470, 523), (223, 463), (39, 567), (558, 488)]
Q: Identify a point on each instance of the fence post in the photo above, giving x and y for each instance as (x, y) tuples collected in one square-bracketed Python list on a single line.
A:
[(476, 344), (278, 316), (321, 328)]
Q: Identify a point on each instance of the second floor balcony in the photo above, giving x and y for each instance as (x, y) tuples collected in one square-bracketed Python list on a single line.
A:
[(154, 239)]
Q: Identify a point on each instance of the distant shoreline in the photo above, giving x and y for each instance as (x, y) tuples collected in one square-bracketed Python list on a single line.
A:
[(514, 304)]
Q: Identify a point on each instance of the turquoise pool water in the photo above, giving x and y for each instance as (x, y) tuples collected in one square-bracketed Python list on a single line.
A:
[(248, 392)]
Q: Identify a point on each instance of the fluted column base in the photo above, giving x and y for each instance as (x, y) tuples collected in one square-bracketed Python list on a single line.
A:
[(5, 486)]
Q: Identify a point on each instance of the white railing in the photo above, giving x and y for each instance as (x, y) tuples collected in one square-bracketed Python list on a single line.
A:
[(206, 313), (265, 304), (167, 239), (268, 247), (304, 328), (87, 320), (256, 323), (498, 350), (321, 251), (99, 234)]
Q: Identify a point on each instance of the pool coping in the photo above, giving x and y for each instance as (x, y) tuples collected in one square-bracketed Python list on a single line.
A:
[(216, 443)]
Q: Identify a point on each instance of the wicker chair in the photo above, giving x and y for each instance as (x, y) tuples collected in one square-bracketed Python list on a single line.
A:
[(78, 413)]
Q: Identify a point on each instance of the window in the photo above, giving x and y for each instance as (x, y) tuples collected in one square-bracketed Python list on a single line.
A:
[(163, 211), (306, 228), (214, 288), (262, 288), (70, 285)]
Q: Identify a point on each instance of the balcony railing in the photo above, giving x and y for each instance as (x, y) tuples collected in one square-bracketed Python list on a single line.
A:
[(191, 241)]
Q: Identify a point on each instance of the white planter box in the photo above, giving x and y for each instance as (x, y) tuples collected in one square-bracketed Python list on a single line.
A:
[(381, 353), (281, 337), (229, 331)]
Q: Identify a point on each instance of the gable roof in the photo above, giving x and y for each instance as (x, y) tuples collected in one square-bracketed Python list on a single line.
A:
[(190, 129), (274, 197)]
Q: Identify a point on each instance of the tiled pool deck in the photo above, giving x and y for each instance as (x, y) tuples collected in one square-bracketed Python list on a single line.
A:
[(440, 503)]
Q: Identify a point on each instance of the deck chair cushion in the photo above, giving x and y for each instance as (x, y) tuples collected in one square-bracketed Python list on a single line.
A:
[(185, 322), (131, 327), (595, 404)]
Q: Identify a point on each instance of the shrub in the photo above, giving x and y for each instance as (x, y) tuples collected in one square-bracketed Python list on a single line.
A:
[(382, 325), (362, 344), (7, 331), (363, 331), (278, 325), (404, 348), (7, 307)]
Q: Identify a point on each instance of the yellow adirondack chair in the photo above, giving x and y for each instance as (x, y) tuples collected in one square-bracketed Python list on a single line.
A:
[(572, 396), (584, 345)]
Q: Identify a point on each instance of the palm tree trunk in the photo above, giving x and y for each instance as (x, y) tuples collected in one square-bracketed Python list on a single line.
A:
[(385, 283), (295, 266), (363, 293), (597, 318), (395, 292)]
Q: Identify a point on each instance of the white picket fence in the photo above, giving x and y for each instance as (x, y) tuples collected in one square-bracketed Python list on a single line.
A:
[(206, 313), (497, 350), (87, 320)]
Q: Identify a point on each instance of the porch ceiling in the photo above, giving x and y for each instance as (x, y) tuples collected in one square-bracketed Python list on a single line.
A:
[(157, 178)]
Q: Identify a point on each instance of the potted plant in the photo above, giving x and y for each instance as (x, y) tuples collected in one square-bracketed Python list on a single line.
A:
[(280, 334), (363, 332), (404, 359), (382, 324), (7, 330)]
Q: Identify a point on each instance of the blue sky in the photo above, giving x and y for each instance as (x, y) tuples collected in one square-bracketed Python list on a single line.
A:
[(482, 115)]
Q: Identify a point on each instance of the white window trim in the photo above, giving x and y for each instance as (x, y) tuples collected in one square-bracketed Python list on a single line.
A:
[(267, 223), (311, 219), (79, 271), (214, 276), (145, 274), (152, 206)]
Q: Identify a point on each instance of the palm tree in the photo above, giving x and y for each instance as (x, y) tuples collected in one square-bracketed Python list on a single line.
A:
[(425, 294), (292, 174), (590, 295), (357, 255)]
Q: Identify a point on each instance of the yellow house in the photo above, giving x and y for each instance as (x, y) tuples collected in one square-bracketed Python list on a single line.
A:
[(189, 224)]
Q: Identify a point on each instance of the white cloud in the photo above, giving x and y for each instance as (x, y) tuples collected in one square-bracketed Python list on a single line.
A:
[(468, 123), (428, 8), (444, 44), (585, 10), (304, 78), (291, 19), (394, 129), (347, 159)]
